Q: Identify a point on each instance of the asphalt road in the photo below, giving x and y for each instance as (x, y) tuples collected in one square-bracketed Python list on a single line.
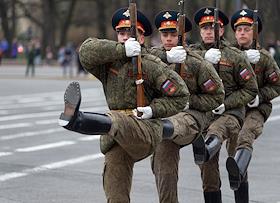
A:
[(42, 162)]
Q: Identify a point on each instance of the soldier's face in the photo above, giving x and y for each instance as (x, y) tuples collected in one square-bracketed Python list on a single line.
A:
[(169, 39), (208, 35), (124, 35), (244, 35)]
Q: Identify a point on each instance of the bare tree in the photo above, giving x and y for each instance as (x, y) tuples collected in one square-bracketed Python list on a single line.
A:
[(7, 25)]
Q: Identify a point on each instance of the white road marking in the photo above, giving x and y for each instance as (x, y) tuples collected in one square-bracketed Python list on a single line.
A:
[(30, 115), (16, 125), (46, 122), (46, 102), (46, 167), (50, 145), (32, 99), (33, 133), (97, 109), (9, 176), (5, 153), (277, 99), (22, 125), (46, 146), (273, 118), (52, 95), (89, 138), (277, 106)]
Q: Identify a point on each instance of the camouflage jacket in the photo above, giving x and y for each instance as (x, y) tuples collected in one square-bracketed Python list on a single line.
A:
[(203, 82), (165, 92), (268, 74), (238, 78)]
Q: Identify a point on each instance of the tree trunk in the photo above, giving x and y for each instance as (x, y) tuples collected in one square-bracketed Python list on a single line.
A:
[(8, 34), (101, 18), (66, 24), (49, 28)]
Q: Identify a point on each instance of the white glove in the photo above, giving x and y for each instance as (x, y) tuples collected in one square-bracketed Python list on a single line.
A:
[(176, 55), (219, 110), (254, 103), (147, 112), (132, 47), (213, 55), (253, 55)]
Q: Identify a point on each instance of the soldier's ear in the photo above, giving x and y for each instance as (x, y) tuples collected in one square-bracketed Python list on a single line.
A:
[(222, 31), (141, 38)]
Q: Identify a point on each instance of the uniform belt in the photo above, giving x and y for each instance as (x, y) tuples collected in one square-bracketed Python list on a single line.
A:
[(125, 111)]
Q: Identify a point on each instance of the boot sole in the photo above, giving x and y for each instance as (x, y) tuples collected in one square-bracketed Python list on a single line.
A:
[(72, 99), (72, 94), (233, 173)]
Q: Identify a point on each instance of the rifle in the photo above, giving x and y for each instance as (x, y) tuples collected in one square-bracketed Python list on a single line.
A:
[(217, 31), (136, 60), (179, 68), (255, 27), (217, 26)]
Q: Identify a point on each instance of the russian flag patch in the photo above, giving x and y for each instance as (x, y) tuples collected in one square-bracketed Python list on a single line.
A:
[(273, 77), (245, 74), (209, 85), (169, 87)]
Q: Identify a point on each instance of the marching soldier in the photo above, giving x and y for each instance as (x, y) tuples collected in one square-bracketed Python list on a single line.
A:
[(127, 137), (240, 88), (206, 91), (259, 109)]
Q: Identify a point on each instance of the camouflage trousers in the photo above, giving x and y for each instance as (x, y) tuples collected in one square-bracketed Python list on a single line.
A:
[(135, 140), (165, 160), (225, 127), (251, 129)]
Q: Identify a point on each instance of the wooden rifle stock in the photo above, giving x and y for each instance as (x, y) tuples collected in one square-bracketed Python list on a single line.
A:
[(136, 60), (179, 68)]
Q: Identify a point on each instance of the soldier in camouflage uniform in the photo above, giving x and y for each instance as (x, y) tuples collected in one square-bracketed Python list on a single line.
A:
[(259, 109), (240, 88), (206, 91), (126, 138)]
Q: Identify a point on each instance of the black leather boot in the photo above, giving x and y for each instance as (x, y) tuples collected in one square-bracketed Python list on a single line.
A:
[(82, 122), (168, 129), (237, 167), (213, 197), (199, 150), (242, 194), (90, 123), (213, 145)]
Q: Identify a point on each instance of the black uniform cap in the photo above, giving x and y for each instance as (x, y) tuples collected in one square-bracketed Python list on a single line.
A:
[(120, 20), (206, 15), (244, 17), (167, 21)]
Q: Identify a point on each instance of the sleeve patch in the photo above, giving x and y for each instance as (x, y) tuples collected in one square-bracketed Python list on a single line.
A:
[(273, 77), (245, 74), (169, 87), (210, 85)]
